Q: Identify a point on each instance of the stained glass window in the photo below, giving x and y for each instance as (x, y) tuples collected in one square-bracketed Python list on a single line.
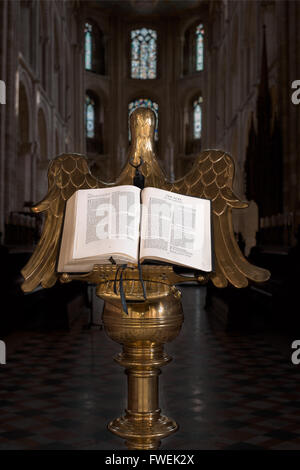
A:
[(143, 53), (89, 117), (144, 103), (197, 111), (199, 47), (88, 46)]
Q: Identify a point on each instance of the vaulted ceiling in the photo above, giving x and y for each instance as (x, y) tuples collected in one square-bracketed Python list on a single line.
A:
[(148, 7)]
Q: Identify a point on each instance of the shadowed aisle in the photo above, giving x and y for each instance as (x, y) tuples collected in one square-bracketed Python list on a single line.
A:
[(227, 391)]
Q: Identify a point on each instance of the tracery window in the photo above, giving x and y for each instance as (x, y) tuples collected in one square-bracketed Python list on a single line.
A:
[(143, 53), (144, 103)]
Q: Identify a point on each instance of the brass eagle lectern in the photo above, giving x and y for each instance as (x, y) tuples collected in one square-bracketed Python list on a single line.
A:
[(150, 322)]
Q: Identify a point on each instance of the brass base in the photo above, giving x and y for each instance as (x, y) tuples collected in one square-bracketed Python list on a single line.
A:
[(143, 332), (143, 434)]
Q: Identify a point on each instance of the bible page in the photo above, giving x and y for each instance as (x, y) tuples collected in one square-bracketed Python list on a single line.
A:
[(107, 222), (176, 229)]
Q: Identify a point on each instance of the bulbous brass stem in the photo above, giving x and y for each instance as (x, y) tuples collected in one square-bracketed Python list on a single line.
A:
[(143, 333)]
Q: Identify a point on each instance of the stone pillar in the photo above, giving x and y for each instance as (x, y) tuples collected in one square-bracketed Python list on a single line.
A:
[(3, 53), (12, 48)]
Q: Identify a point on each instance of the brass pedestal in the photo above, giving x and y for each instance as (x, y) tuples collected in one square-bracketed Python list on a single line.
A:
[(143, 332), (152, 322)]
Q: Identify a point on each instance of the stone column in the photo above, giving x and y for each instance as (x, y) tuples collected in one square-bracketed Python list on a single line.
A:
[(11, 124), (3, 52)]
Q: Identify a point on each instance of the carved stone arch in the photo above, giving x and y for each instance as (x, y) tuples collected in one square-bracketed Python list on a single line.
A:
[(100, 93), (190, 22), (190, 95)]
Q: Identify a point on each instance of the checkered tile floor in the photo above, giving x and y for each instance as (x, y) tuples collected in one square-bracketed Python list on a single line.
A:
[(227, 391)]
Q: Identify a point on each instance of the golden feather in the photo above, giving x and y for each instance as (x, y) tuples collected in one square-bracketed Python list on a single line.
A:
[(66, 174), (211, 177)]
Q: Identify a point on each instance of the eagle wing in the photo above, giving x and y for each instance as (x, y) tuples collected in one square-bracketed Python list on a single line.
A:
[(66, 174), (211, 177)]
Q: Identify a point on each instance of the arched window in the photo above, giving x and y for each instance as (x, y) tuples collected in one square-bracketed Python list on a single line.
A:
[(143, 103), (94, 50), (88, 46), (143, 53), (93, 123), (193, 49), (193, 125), (197, 118), (199, 47), (89, 117)]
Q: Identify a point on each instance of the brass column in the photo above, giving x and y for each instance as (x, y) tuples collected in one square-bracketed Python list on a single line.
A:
[(143, 333)]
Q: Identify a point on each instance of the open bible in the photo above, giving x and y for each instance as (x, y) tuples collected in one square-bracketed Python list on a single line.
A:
[(125, 224)]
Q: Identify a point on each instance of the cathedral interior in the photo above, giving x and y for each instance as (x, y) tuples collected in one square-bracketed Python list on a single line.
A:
[(217, 75)]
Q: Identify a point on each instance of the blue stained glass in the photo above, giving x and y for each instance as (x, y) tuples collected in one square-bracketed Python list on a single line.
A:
[(88, 46), (199, 47), (197, 109), (143, 53), (90, 117), (143, 103)]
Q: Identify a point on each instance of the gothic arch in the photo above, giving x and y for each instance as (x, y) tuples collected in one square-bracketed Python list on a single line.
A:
[(190, 22)]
